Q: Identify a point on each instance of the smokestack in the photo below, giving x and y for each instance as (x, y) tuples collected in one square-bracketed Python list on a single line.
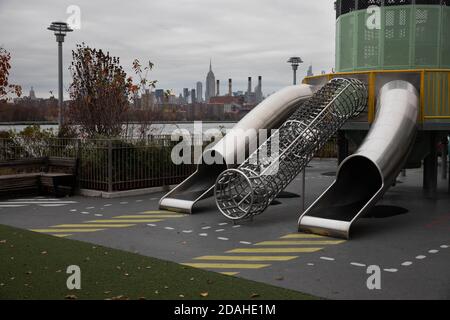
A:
[(249, 90), (218, 88), (230, 87), (260, 81)]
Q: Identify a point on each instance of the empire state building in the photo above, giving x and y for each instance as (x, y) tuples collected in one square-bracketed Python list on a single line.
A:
[(210, 84)]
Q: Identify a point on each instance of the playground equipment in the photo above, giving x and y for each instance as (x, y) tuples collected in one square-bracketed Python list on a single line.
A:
[(366, 175), (249, 189), (239, 143)]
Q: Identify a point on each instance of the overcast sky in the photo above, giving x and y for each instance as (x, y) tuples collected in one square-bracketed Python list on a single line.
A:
[(243, 38)]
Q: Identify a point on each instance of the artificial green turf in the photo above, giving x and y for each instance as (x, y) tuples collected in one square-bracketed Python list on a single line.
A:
[(33, 266)]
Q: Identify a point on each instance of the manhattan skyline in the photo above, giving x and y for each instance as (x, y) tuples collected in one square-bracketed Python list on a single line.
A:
[(243, 39)]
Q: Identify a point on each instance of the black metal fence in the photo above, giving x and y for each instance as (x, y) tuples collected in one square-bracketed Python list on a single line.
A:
[(115, 165)]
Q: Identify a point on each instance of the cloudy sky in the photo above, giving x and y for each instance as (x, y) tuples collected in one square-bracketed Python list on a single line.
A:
[(243, 38)]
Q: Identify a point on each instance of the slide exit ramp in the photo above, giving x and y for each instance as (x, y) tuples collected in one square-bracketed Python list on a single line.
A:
[(269, 114), (365, 176), (248, 190)]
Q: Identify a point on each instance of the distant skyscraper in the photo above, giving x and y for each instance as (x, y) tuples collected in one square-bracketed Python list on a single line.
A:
[(210, 84), (310, 71), (32, 94), (186, 95), (193, 96), (199, 92)]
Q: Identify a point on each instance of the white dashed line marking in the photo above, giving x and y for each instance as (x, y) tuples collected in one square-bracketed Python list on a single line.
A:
[(220, 230), (169, 228), (151, 225), (98, 215), (327, 258), (310, 264), (139, 200), (433, 251), (89, 208), (223, 239), (356, 264), (420, 257), (390, 270), (206, 228), (223, 224), (187, 231), (237, 226), (124, 202), (108, 205), (154, 199), (84, 212), (245, 242), (203, 234), (407, 263), (444, 246), (73, 210)]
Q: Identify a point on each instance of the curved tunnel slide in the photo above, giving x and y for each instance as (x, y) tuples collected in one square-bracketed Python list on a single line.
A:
[(269, 114), (365, 176)]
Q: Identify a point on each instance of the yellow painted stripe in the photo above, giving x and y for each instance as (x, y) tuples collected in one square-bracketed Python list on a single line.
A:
[(125, 221), (299, 242), (302, 236), (150, 216), (158, 212), (226, 265), (229, 273), (93, 225), (61, 235), (64, 230), (247, 258), (274, 250)]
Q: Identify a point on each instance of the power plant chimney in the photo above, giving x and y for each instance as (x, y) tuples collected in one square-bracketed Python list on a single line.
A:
[(260, 81), (249, 90), (230, 87), (218, 88)]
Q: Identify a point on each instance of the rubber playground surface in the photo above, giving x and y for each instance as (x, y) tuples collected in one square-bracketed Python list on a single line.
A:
[(407, 236)]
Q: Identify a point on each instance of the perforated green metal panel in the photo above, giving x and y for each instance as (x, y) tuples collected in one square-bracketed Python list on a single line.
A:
[(409, 37)]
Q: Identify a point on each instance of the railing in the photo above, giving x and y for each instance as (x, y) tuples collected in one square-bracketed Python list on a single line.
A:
[(434, 85), (116, 165)]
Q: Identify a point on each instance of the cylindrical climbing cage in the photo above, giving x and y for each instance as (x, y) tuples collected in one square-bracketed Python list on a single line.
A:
[(248, 190)]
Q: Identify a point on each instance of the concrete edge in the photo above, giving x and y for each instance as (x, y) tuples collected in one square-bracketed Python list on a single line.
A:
[(122, 194)]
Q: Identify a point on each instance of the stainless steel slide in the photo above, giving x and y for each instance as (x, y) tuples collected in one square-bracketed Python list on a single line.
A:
[(235, 147), (248, 190), (365, 176)]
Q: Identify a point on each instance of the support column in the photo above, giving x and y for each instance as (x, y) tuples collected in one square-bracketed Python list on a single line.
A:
[(342, 146), (444, 157), (430, 168)]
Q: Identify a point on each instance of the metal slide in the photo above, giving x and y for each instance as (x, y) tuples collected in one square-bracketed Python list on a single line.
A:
[(365, 176), (269, 114), (249, 189)]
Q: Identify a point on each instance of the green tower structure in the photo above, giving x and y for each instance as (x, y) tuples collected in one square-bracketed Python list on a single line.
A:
[(378, 41)]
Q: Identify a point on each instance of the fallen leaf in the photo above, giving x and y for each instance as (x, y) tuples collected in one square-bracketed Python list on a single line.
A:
[(181, 296), (28, 272), (156, 292), (204, 294), (120, 297), (58, 271), (166, 287), (192, 279), (44, 252), (254, 295), (148, 267), (2, 241), (71, 297), (107, 292)]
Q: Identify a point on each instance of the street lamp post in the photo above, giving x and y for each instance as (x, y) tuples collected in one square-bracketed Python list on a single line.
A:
[(295, 62), (60, 29)]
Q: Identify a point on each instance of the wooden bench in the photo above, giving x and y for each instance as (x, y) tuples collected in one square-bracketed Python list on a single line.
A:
[(51, 174)]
